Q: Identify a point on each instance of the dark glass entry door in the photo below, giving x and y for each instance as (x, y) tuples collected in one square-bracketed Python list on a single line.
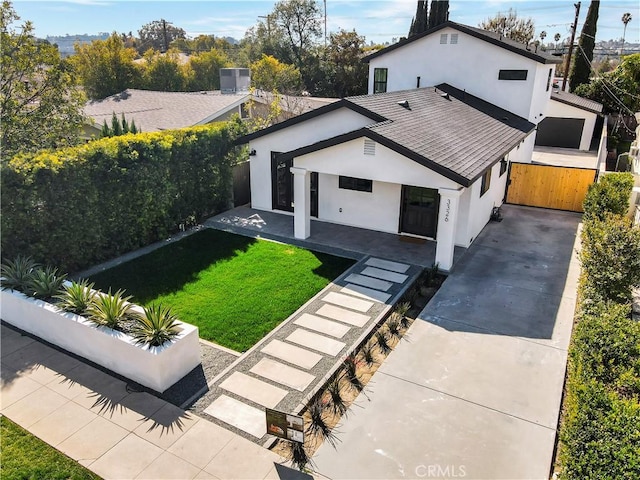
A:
[(419, 215), (282, 185)]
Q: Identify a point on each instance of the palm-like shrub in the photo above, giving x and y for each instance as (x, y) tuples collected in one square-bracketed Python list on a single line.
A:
[(110, 309), (157, 326), (17, 273), (76, 297), (45, 282)]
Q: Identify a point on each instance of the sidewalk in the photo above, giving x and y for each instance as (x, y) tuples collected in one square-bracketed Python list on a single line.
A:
[(114, 431)]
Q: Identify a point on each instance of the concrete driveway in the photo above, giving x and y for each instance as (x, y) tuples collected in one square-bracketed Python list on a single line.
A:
[(474, 390)]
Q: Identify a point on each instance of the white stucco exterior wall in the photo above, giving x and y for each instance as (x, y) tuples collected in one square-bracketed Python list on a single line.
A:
[(562, 110), (311, 131), (472, 65)]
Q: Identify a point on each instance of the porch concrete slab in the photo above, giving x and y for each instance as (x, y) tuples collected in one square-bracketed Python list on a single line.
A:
[(166, 426), (169, 467), (242, 459), (12, 341), (14, 387), (240, 415), (387, 265), (368, 282), (127, 458), (322, 325), (62, 423), (343, 315), (29, 356), (385, 274), (347, 302), (412, 431), (90, 445), (283, 374), (292, 354), (201, 443), (316, 342), (564, 157), (132, 410), (364, 292), (34, 406), (253, 389)]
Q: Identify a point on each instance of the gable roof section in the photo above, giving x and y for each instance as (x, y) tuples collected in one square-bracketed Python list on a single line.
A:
[(153, 111), (490, 37), (577, 101), (343, 103), (443, 128)]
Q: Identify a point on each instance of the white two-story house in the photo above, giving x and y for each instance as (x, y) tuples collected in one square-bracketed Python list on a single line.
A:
[(426, 153)]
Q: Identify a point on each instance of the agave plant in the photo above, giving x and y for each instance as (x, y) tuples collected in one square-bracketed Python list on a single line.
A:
[(45, 282), (76, 297), (110, 309), (17, 273), (157, 326)]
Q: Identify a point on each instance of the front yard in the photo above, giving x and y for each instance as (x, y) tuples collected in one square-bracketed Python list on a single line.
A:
[(235, 289)]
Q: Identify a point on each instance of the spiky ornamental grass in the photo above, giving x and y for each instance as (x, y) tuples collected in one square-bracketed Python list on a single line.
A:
[(16, 273), (383, 342), (401, 310), (338, 404), (368, 352), (393, 325), (351, 373), (157, 326), (318, 425), (300, 457), (76, 297)]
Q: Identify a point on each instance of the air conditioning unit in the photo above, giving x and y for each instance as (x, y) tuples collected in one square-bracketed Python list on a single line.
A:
[(235, 80)]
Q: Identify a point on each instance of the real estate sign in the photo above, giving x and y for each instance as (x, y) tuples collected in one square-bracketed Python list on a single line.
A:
[(285, 425)]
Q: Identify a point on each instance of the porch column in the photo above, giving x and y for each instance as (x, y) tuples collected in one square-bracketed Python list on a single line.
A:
[(447, 222), (301, 202)]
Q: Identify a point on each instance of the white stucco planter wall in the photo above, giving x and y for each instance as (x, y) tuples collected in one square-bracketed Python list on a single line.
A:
[(154, 367)]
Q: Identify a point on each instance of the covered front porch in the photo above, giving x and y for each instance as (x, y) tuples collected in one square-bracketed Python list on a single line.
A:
[(329, 237)]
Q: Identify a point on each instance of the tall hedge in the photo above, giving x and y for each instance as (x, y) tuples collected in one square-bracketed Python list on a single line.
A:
[(78, 206), (610, 195)]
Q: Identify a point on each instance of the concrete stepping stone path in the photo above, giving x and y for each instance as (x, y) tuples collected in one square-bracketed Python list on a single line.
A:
[(292, 361)]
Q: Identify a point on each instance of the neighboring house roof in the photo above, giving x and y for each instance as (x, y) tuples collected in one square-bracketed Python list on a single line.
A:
[(292, 103), (153, 111), (445, 129), (577, 101), (497, 39)]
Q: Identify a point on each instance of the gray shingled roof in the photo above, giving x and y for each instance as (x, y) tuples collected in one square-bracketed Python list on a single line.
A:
[(443, 128), (153, 111), (529, 51), (577, 101)]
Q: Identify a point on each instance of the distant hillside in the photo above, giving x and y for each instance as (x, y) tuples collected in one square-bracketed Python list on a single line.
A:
[(65, 42)]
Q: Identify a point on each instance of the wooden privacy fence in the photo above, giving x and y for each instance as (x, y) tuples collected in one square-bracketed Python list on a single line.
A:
[(561, 188)]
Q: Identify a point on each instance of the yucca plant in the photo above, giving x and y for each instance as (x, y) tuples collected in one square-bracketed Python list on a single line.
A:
[(45, 282), (338, 403), (367, 351), (17, 273), (110, 309), (76, 297), (383, 342), (157, 326), (318, 425)]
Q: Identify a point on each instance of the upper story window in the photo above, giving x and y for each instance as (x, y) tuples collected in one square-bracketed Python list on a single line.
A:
[(379, 80), (512, 75), (369, 147), (443, 38), (486, 182), (549, 78), (358, 184), (454, 39)]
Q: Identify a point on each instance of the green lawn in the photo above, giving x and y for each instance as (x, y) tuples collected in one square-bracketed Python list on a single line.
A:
[(235, 289), (24, 456)]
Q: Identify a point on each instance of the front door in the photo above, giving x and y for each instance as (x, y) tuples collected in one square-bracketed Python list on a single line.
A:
[(419, 214), (282, 185)]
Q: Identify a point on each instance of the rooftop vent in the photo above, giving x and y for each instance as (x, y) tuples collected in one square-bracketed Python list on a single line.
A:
[(445, 96), (405, 104)]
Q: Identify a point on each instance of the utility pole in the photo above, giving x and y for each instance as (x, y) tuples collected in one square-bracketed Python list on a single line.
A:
[(164, 33), (268, 17), (574, 27), (325, 24)]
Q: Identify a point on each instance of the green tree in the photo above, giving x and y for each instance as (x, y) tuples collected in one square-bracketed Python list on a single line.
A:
[(105, 67), (439, 12), (118, 127), (347, 73), (510, 26), (581, 68), (419, 23), (158, 35), (269, 74), (39, 106), (163, 71), (203, 70)]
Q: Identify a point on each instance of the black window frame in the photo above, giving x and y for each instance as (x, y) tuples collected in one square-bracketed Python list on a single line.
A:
[(356, 184), (486, 182), (380, 86), (504, 166), (518, 75), (549, 79)]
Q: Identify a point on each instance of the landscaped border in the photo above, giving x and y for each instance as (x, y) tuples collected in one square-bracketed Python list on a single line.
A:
[(154, 367)]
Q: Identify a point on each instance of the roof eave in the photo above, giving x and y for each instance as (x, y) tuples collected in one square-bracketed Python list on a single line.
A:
[(579, 107)]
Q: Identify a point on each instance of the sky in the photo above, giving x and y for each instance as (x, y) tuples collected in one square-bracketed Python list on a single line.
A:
[(377, 20)]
